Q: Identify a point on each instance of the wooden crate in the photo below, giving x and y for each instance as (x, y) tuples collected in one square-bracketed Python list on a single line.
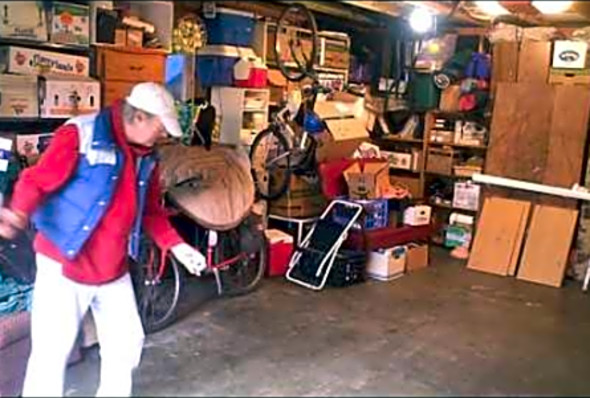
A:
[(440, 160)]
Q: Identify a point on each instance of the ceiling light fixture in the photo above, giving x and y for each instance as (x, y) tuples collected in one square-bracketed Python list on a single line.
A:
[(421, 20), (493, 8), (551, 7)]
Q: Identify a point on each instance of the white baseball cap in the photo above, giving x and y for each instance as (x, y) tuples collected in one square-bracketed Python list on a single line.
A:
[(155, 99)]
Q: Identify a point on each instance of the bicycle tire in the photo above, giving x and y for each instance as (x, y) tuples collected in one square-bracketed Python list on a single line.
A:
[(233, 289), (308, 68), (146, 296), (281, 188)]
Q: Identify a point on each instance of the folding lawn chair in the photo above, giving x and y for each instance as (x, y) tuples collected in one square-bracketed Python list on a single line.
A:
[(314, 258)]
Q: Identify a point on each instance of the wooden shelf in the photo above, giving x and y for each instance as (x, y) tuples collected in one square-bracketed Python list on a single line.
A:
[(445, 175), (403, 140), (405, 171), (450, 207), (44, 45), (478, 147)]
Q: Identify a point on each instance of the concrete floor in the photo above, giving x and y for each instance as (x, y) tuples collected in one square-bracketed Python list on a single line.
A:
[(439, 331)]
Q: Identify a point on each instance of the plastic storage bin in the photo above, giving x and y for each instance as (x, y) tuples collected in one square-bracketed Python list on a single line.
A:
[(215, 64), (230, 27), (375, 216)]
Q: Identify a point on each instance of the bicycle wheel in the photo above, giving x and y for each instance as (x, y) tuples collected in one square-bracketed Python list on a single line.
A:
[(270, 159), (157, 298), (296, 42), (244, 276)]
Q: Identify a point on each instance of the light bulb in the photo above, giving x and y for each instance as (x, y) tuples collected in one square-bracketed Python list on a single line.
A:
[(551, 7), (421, 20), (492, 8)]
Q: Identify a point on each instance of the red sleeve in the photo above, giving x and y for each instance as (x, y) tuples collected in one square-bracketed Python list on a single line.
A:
[(155, 219), (53, 169)]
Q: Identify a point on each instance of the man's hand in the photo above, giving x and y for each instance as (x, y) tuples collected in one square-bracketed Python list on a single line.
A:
[(188, 256), (11, 223)]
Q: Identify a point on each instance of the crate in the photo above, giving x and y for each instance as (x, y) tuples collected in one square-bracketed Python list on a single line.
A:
[(440, 160), (375, 214)]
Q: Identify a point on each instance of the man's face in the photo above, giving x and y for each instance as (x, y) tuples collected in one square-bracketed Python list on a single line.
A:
[(145, 130)]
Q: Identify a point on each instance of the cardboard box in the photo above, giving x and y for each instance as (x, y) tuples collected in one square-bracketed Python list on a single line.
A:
[(569, 54), (70, 24), (134, 37), (303, 199), (388, 264), (417, 257), (412, 183), (120, 37), (466, 196), (449, 98), (31, 146), (18, 96), (28, 61), (23, 20), (62, 97), (417, 215), (367, 182)]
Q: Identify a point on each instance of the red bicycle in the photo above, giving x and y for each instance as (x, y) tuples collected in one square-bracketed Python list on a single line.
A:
[(234, 244)]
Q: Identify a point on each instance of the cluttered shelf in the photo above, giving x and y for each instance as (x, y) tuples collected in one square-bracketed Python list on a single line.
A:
[(44, 45)]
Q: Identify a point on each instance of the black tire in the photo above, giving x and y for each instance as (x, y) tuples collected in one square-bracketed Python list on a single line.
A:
[(306, 70), (264, 177), (244, 278), (157, 300)]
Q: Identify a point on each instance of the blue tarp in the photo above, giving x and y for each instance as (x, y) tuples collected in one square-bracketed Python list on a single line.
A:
[(14, 297)]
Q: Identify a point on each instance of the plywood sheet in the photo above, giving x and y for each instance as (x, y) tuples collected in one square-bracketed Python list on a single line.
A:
[(524, 217), (519, 139), (533, 61), (504, 63), (567, 138), (547, 245), (499, 232)]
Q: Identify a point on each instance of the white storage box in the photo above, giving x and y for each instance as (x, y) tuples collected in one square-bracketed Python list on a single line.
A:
[(18, 96), (466, 196), (23, 20), (569, 54), (28, 61), (417, 215), (64, 96), (388, 264), (70, 24)]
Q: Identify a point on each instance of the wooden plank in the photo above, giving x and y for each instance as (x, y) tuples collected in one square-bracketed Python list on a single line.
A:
[(567, 137), (534, 61), (547, 246), (499, 231), (518, 241), (519, 139), (504, 63)]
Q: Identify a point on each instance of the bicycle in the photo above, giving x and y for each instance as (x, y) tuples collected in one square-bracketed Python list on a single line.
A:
[(281, 147), (158, 278)]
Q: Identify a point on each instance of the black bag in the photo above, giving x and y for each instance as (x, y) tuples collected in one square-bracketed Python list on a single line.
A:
[(348, 268)]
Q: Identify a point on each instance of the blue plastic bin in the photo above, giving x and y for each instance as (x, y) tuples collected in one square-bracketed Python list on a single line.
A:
[(230, 27), (376, 214), (215, 64)]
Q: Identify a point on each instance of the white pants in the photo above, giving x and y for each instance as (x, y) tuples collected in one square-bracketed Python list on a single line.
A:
[(59, 304)]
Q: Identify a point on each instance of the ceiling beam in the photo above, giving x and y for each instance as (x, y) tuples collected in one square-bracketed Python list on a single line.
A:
[(390, 8), (444, 8)]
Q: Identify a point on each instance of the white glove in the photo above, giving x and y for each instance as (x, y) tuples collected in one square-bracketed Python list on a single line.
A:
[(191, 258)]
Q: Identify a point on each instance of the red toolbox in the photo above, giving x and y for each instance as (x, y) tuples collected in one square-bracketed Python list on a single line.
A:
[(280, 248)]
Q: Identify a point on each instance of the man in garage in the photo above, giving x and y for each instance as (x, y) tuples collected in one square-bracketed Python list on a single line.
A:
[(90, 194)]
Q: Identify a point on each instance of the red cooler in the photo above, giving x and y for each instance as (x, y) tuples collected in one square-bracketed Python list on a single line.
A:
[(280, 248), (257, 76)]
